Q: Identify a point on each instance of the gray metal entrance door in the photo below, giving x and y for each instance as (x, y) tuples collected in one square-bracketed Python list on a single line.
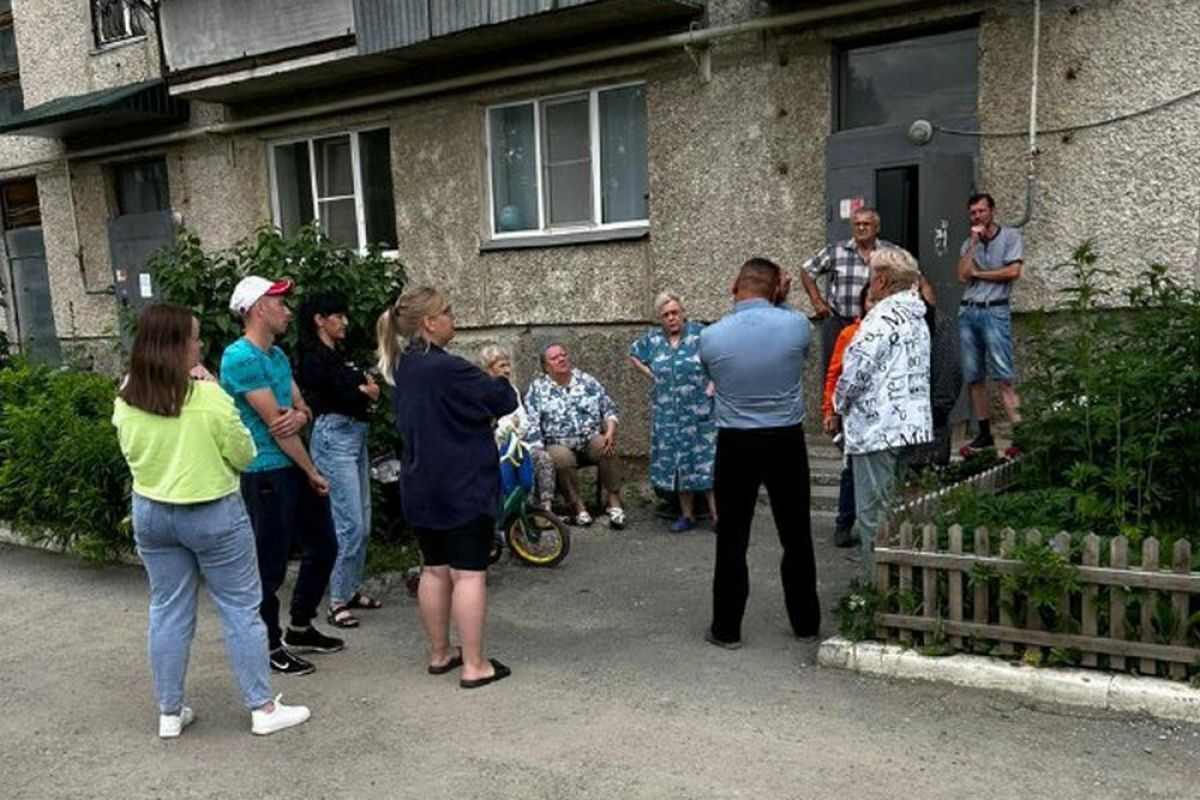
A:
[(31, 294), (131, 240), (920, 191)]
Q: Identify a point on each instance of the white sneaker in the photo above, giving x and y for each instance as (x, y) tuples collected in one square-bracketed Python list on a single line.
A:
[(282, 717), (171, 725)]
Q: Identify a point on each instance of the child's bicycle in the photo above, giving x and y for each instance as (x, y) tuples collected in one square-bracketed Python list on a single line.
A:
[(534, 535)]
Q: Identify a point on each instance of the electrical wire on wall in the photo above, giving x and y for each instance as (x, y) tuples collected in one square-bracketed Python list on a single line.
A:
[(1083, 126)]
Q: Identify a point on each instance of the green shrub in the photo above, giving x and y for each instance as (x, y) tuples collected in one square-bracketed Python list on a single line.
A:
[(1112, 404), (62, 477), (203, 281)]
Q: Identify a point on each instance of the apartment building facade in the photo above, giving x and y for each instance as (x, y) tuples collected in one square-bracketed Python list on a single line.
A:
[(555, 163)]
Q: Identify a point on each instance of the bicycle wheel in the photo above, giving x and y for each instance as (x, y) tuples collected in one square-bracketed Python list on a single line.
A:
[(538, 537)]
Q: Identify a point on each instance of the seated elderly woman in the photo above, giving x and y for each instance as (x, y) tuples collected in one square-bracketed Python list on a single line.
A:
[(497, 361), (683, 439), (573, 417)]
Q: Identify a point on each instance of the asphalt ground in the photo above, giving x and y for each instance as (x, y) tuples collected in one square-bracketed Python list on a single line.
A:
[(614, 694)]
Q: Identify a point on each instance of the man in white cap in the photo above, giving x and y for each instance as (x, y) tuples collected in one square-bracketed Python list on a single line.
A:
[(285, 495)]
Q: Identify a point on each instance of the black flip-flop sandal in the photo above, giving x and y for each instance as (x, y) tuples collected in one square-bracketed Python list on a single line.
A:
[(340, 617), (454, 663), (360, 600), (499, 672)]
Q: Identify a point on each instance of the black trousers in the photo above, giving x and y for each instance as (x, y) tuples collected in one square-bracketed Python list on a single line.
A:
[(283, 509), (746, 460)]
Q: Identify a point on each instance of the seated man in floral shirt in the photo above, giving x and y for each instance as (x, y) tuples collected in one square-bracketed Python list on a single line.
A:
[(572, 416)]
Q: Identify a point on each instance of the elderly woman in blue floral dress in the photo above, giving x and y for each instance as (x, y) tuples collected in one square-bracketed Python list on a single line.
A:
[(683, 437)]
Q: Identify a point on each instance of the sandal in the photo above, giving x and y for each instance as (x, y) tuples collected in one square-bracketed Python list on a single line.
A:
[(582, 519), (360, 600), (340, 617)]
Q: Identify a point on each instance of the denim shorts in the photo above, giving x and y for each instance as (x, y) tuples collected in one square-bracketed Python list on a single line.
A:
[(986, 341)]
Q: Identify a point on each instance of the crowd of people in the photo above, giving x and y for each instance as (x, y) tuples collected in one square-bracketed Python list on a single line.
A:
[(225, 486)]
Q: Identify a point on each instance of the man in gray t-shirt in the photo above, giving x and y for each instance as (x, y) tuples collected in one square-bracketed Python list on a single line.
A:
[(990, 260)]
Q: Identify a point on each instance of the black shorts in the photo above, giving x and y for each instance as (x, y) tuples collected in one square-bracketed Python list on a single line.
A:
[(465, 547)]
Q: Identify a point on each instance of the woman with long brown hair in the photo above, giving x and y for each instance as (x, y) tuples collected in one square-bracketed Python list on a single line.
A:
[(185, 445), (445, 407)]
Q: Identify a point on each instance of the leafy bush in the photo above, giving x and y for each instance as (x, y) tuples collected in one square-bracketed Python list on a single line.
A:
[(1111, 404), (62, 477), (203, 281)]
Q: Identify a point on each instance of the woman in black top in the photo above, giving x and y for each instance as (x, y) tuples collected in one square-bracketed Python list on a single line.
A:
[(341, 396), (445, 408)]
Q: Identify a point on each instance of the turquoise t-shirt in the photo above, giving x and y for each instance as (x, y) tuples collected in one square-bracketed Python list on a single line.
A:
[(244, 368)]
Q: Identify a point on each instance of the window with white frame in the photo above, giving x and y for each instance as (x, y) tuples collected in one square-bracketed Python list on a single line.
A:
[(116, 20), (569, 162), (343, 182)]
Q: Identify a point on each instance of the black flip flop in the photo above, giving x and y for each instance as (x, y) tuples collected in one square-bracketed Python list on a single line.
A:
[(360, 600), (500, 672), (454, 663)]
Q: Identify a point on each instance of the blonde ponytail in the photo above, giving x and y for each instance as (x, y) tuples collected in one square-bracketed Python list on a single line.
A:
[(402, 322)]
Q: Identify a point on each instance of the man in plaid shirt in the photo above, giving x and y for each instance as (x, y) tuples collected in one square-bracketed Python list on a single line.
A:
[(846, 264)]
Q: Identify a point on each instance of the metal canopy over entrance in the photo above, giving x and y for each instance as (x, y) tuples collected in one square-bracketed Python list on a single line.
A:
[(125, 106)]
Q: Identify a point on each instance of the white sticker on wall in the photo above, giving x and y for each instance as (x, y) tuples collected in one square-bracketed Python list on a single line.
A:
[(144, 285), (849, 205)]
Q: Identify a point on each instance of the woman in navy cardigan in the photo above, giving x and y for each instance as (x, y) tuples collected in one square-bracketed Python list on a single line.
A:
[(445, 408)]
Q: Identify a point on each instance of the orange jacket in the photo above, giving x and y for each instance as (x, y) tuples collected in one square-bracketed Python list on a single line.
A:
[(835, 365)]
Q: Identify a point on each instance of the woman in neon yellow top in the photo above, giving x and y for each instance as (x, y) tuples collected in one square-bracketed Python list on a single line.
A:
[(185, 444)]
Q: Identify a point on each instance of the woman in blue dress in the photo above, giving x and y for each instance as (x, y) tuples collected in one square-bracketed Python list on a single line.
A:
[(683, 436)]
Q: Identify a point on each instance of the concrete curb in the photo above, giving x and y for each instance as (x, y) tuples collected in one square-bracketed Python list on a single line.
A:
[(1127, 694), (8, 537)]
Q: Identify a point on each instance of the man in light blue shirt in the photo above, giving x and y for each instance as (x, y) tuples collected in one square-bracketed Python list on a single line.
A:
[(755, 358)]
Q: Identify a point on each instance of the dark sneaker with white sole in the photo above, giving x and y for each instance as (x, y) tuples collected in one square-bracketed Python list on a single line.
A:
[(284, 663), (311, 640)]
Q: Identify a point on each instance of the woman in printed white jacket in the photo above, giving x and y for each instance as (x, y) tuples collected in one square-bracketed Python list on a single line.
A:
[(883, 394)]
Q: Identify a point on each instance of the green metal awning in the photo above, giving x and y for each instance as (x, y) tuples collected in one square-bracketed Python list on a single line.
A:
[(142, 104)]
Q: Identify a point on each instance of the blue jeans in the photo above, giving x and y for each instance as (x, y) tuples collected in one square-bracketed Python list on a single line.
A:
[(874, 474), (179, 544), (985, 341), (339, 451)]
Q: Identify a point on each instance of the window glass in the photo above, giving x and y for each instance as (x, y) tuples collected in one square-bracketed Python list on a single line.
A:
[(623, 181), (293, 185), (8, 49), (514, 168), (115, 20), (927, 77), (375, 150), (568, 161), (315, 180), (334, 166), (141, 186), (11, 100), (19, 203), (339, 219)]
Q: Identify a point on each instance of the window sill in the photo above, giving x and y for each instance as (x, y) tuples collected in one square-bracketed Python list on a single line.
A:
[(565, 239), (117, 44)]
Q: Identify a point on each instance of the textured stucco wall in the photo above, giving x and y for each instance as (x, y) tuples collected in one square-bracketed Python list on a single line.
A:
[(1131, 186), (58, 55)]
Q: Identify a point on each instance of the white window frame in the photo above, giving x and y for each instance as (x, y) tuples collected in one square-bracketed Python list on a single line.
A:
[(127, 36), (360, 211), (543, 228)]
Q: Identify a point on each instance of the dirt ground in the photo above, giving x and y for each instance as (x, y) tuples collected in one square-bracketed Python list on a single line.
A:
[(614, 695)]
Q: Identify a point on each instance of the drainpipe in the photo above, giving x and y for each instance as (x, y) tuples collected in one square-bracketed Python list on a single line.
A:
[(1033, 116), (691, 38)]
